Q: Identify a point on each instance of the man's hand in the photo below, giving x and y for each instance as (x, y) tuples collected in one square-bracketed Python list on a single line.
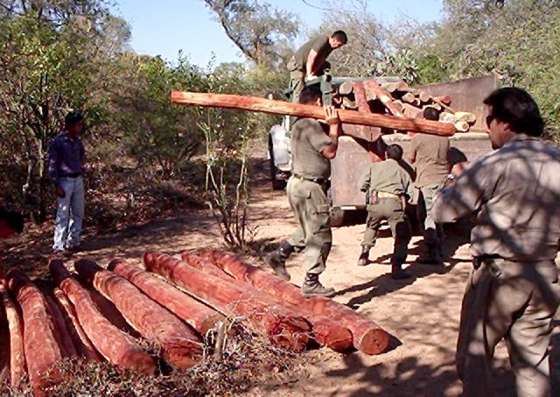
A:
[(60, 192), (310, 77), (331, 115)]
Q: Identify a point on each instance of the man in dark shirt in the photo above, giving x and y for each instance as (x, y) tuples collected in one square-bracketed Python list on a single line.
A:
[(310, 60), (66, 162), (313, 146)]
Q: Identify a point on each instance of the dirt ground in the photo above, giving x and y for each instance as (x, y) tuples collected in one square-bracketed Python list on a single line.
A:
[(421, 313)]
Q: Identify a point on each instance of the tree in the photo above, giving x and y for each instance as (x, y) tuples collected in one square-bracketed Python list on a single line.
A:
[(261, 32)]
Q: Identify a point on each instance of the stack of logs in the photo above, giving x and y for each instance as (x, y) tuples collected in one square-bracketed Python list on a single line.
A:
[(401, 100), (99, 314)]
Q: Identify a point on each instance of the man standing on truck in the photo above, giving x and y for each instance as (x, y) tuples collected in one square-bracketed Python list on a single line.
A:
[(513, 290), (429, 155), (310, 60), (388, 187), (313, 145)]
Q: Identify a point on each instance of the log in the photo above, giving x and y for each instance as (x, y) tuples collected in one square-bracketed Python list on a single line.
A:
[(385, 98), (180, 345), (295, 109), (283, 328), (325, 331), (63, 335), (445, 99), (199, 316), (462, 126), (41, 347), (465, 116), (117, 347), (83, 345), (345, 88), (424, 97), (368, 337), (409, 97), (18, 371)]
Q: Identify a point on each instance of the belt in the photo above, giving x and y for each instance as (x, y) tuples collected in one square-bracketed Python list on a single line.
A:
[(388, 195), (320, 181)]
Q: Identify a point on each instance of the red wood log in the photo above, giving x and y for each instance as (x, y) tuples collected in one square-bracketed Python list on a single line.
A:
[(296, 109), (81, 341), (18, 370), (325, 331), (283, 327), (116, 346), (63, 334), (180, 345), (368, 337), (199, 316), (42, 349), (385, 98)]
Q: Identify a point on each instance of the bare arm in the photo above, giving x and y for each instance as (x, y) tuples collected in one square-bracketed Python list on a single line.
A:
[(331, 117), (310, 64)]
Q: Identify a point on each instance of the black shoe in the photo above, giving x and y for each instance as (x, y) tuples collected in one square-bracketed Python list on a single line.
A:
[(397, 273), (313, 287), (431, 259), (277, 260), (363, 260)]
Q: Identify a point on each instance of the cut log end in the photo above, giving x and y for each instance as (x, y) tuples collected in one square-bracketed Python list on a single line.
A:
[(375, 341), (138, 361), (338, 339)]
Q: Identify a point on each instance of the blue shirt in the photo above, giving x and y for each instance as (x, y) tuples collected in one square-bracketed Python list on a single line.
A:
[(66, 157)]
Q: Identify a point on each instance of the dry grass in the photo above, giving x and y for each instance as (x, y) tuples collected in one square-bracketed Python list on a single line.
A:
[(235, 361)]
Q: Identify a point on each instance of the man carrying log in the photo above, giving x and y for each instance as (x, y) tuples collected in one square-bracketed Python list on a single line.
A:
[(310, 60), (513, 290), (313, 145), (429, 155), (387, 185)]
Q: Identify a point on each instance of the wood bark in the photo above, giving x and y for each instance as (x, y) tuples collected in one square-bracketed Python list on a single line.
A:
[(199, 316), (42, 349), (385, 98), (283, 327), (325, 331), (180, 345), (18, 371), (83, 345), (368, 337), (117, 347), (295, 109)]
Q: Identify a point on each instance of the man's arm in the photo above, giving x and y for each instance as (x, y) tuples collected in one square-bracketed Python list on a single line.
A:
[(466, 196), (335, 130), (310, 64), (365, 181)]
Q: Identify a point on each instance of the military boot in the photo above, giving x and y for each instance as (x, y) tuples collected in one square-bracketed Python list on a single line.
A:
[(364, 256), (312, 286), (277, 260), (397, 273), (433, 257)]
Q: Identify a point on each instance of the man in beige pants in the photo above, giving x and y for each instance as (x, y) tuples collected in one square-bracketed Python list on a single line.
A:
[(513, 290)]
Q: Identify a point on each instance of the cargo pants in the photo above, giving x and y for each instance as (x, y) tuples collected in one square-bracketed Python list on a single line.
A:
[(310, 205), (515, 301), (391, 210), (297, 81), (432, 232)]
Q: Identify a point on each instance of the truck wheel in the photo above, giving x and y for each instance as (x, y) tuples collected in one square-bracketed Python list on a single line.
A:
[(276, 183), (337, 216)]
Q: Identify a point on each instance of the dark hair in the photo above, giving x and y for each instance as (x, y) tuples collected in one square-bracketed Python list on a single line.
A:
[(430, 113), (13, 219), (394, 152), (341, 36), (73, 118), (517, 108), (310, 94)]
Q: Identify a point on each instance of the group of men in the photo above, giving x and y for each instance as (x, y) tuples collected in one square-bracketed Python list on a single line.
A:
[(513, 292)]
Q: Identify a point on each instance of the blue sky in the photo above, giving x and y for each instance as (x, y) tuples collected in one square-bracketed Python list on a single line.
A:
[(164, 27)]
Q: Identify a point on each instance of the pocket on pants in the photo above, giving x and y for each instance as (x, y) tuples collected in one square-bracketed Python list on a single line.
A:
[(323, 215)]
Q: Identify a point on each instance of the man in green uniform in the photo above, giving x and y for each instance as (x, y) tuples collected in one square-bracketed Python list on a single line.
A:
[(429, 155), (387, 186), (313, 145), (310, 60), (513, 290)]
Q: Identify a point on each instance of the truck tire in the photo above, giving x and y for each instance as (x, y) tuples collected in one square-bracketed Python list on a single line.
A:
[(277, 184)]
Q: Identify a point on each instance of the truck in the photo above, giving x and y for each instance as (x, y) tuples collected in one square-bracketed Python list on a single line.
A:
[(366, 143)]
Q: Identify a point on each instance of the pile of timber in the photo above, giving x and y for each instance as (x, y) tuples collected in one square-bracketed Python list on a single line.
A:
[(399, 99), (99, 314)]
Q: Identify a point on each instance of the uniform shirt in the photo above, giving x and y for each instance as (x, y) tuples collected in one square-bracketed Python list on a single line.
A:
[(430, 159), (308, 139), (66, 156), (515, 192), (320, 44), (387, 176)]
